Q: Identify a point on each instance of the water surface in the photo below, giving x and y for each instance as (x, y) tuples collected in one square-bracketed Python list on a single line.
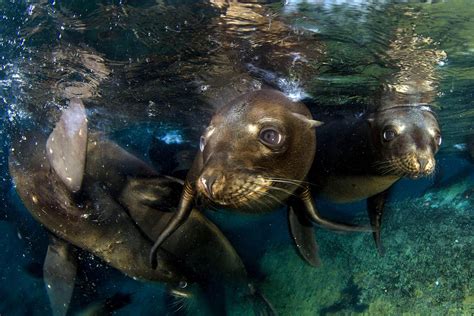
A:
[(159, 69)]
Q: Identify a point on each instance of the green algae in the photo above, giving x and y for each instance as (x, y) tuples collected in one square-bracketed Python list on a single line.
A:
[(427, 268)]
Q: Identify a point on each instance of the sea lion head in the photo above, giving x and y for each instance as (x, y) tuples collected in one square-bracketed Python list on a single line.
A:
[(256, 151), (406, 139)]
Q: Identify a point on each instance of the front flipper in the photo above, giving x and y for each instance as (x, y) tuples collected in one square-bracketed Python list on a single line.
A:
[(66, 145), (375, 206), (184, 209), (309, 208), (59, 273), (303, 234)]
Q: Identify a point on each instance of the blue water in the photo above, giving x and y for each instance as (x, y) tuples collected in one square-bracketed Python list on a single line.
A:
[(157, 70)]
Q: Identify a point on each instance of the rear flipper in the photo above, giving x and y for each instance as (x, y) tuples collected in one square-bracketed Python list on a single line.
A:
[(303, 234), (59, 271), (375, 207)]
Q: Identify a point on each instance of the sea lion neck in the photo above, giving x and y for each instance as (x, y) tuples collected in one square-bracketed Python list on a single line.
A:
[(343, 146)]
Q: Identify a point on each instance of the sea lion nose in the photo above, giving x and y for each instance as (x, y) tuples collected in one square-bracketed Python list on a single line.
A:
[(423, 162), (207, 183)]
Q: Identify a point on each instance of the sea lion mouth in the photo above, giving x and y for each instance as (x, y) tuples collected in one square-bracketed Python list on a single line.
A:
[(410, 165), (244, 191)]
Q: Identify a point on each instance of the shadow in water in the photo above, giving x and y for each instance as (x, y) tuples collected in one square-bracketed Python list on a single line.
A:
[(349, 301)]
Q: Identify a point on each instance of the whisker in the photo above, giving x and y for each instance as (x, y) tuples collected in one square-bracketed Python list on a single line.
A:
[(268, 194), (288, 179), (259, 201), (287, 182), (271, 187), (294, 181)]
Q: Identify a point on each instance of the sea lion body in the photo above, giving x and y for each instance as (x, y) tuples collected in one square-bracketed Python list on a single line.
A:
[(362, 156), (96, 224)]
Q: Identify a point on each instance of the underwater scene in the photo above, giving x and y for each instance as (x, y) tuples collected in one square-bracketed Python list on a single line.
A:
[(236, 157)]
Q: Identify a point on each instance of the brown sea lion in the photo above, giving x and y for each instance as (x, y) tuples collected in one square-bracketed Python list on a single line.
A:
[(254, 156), (362, 156), (92, 194)]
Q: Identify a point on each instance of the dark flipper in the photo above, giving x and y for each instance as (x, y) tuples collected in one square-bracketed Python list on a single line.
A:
[(198, 242), (303, 234), (184, 209), (375, 206), (310, 210), (59, 273)]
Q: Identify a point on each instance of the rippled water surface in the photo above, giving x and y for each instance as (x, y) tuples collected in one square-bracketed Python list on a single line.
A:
[(157, 70)]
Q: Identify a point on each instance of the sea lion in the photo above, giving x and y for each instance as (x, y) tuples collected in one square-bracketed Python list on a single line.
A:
[(362, 156), (253, 157), (80, 202)]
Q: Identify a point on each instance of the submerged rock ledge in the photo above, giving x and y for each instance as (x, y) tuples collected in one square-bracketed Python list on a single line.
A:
[(427, 269)]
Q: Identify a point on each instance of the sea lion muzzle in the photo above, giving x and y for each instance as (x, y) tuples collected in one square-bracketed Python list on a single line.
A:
[(234, 193)]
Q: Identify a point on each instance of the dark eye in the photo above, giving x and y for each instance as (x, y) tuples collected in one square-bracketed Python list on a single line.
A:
[(438, 139), (271, 137), (202, 143), (389, 134)]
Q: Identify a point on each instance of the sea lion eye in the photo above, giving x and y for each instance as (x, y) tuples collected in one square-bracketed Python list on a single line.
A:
[(270, 137), (389, 134), (438, 139), (202, 143)]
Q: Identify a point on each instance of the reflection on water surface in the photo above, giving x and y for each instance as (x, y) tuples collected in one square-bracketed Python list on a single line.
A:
[(151, 71)]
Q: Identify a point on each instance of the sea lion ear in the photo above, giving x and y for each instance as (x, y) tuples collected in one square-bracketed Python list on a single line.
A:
[(312, 123), (67, 144)]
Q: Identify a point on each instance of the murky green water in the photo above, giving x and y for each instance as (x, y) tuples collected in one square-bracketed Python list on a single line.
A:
[(149, 70)]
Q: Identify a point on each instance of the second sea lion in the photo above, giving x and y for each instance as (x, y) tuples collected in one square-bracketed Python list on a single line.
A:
[(362, 156)]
